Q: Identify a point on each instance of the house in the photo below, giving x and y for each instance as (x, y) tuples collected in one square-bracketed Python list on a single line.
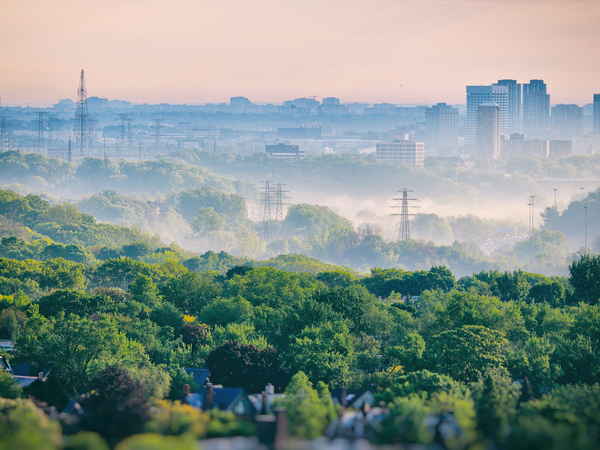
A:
[(200, 375), (227, 399), (6, 345), (353, 425), (263, 402), (352, 398)]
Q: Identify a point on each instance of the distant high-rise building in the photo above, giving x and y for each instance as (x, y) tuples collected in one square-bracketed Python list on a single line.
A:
[(489, 123), (97, 103), (536, 107), (514, 105), (441, 127), (401, 151), (596, 114), (477, 95), (331, 105), (567, 121)]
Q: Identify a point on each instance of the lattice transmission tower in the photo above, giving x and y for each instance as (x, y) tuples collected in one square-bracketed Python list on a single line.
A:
[(280, 200), (4, 136), (404, 232), (40, 138), (82, 117), (266, 207)]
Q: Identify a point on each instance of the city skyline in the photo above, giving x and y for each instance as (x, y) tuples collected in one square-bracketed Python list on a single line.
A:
[(386, 51)]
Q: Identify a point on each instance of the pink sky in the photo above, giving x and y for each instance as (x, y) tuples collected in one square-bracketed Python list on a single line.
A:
[(198, 51)]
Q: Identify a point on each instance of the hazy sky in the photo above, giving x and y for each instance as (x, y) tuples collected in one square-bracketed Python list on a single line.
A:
[(197, 51)]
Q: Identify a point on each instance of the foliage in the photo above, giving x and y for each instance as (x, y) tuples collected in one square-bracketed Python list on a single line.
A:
[(243, 365), (117, 407), (9, 388), (309, 409), (24, 425)]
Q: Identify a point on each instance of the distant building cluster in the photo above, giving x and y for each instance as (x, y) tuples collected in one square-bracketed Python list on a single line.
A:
[(507, 120), (503, 120)]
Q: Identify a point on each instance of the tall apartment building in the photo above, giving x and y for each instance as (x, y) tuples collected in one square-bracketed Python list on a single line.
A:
[(401, 151), (477, 95), (489, 124), (567, 121), (514, 105), (536, 107), (441, 127), (596, 114)]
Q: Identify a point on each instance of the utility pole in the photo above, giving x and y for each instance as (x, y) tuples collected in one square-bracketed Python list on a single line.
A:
[(4, 137), (69, 149), (586, 208), (555, 197), (266, 209), (82, 116), (404, 232)]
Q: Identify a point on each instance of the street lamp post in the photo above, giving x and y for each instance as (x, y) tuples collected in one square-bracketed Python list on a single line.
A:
[(581, 193), (586, 208), (555, 197), (532, 213)]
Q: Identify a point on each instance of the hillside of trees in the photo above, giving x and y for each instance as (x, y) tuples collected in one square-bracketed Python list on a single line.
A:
[(97, 298)]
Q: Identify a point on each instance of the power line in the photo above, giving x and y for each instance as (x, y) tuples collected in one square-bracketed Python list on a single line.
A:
[(404, 232)]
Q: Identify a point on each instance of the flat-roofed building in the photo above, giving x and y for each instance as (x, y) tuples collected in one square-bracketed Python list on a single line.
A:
[(567, 121), (489, 124), (401, 151), (517, 145), (441, 127), (285, 151)]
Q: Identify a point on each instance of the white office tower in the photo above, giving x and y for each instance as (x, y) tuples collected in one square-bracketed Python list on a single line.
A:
[(476, 95)]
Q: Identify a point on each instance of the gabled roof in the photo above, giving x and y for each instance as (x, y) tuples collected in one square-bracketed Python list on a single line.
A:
[(200, 376), (223, 398), (25, 381), (354, 397), (5, 365)]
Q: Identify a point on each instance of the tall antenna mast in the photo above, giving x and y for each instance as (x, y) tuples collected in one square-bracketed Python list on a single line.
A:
[(81, 115), (404, 232)]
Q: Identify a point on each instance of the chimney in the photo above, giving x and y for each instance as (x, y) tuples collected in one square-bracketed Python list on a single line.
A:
[(186, 390), (270, 389), (208, 397), (41, 376), (281, 431)]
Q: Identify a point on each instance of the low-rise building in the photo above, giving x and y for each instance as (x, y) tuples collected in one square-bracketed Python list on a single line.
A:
[(285, 151), (517, 145), (401, 151)]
